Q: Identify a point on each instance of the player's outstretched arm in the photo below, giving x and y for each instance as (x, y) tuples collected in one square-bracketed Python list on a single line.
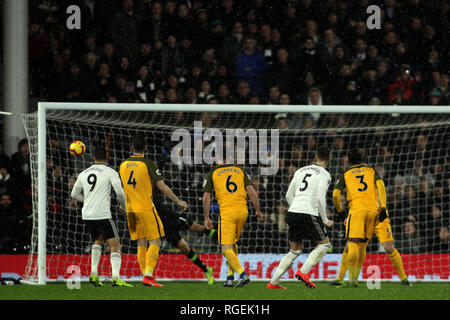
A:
[(255, 201), (169, 194), (337, 200), (383, 202), (322, 203), (338, 188), (206, 206)]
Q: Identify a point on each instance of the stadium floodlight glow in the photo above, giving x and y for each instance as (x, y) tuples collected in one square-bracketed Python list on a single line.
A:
[(95, 117)]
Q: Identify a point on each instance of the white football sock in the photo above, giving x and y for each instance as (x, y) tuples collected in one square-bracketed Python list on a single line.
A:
[(115, 260), (96, 253), (285, 263), (315, 256)]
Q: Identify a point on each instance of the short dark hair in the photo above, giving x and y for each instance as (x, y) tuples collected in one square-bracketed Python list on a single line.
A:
[(100, 153), (323, 153), (356, 156), (139, 143)]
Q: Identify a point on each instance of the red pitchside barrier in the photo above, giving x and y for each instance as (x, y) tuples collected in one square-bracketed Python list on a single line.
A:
[(177, 266)]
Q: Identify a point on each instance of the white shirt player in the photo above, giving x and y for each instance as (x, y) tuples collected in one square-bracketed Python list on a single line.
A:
[(93, 187), (307, 191)]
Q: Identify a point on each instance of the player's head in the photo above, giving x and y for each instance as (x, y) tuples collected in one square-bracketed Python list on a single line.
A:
[(139, 144), (99, 154), (356, 156), (323, 154)]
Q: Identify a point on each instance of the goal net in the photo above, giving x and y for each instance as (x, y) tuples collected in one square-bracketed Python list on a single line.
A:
[(409, 150)]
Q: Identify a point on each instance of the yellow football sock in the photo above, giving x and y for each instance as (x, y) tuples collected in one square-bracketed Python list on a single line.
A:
[(233, 261), (151, 259), (362, 255), (353, 261), (344, 265), (230, 268), (396, 260), (141, 256)]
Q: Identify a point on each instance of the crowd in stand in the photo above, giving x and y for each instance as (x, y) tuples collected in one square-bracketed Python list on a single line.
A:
[(15, 200), (251, 52), (231, 51)]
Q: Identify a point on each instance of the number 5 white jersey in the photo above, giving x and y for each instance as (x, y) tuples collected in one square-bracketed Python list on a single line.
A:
[(93, 187), (307, 191)]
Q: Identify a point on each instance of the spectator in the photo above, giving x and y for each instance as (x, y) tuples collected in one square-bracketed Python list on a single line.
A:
[(205, 92), (20, 165), (8, 185), (371, 87), (184, 23), (281, 73), (265, 42), (274, 95), (8, 224), (4, 159), (224, 95), (243, 92), (170, 59), (104, 82), (191, 96), (285, 99), (314, 97), (441, 242), (329, 43), (404, 87), (109, 56), (434, 97), (409, 240), (232, 46), (125, 29), (250, 65)]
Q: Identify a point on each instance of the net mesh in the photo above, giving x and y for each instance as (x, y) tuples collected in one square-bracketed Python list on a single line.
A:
[(410, 151)]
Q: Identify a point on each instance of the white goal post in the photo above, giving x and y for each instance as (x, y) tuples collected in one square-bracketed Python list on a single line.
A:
[(44, 107)]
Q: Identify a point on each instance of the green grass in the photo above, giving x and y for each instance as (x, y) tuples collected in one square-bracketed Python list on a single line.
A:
[(252, 291)]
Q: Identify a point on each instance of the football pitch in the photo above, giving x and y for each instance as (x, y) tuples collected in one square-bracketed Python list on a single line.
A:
[(252, 291)]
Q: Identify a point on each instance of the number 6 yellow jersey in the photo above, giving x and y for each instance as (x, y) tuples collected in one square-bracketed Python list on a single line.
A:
[(229, 182), (360, 182)]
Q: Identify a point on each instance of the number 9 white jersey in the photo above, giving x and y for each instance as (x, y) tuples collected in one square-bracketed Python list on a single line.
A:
[(93, 187), (307, 191)]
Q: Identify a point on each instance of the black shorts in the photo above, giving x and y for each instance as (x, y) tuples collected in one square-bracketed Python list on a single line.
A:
[(303, 226), (105, 228), (173, 223)]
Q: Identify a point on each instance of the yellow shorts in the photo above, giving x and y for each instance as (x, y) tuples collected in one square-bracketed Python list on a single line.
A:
[(145, 225), (383, 231), (361, 224), (231, 225)]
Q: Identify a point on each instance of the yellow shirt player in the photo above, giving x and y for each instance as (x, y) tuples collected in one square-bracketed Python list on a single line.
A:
[(231, 185), (363, 186), (139, 177), (382, 229)]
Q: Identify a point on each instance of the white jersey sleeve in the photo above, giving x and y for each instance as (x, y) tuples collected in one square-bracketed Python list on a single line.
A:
[(307, 191), (95, 184), (324, 184)]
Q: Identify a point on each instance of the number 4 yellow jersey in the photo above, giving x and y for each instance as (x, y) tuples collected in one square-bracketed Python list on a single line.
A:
[(229, 182), (360, 182), (139, 176)]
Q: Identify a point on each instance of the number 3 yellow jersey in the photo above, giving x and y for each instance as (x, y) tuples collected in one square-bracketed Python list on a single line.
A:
[(139, 176), (229, 182), (360, 184)]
